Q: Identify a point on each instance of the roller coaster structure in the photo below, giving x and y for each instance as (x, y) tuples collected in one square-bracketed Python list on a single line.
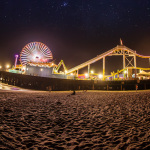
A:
[(128, 56)]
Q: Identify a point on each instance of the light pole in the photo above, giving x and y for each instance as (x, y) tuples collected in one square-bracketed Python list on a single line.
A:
[(16, 58)]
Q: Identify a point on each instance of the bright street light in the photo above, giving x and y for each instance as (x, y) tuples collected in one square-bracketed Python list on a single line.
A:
[(92, 71), (100, 76), (86, 75), (7, 66), (125, 71)]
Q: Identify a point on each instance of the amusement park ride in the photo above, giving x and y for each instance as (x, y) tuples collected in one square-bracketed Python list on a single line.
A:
[(36, 59), (120, 50)]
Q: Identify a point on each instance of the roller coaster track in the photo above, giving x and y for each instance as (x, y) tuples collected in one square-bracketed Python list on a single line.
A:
[(118, 50), (142, 56)]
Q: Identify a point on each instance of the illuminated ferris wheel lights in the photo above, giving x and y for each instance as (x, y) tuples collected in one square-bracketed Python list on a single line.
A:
[(35, 52), (36, 57)]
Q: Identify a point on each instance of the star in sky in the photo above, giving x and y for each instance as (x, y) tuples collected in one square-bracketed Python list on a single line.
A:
[(76, 20), (64, 4)]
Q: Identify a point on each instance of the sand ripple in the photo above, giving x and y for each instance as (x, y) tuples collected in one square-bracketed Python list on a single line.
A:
[(87, 120)]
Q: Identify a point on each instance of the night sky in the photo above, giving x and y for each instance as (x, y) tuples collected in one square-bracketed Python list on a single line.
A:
[(74, 30)]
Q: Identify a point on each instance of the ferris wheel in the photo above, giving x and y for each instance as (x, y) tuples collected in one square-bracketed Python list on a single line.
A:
[(35, 52)]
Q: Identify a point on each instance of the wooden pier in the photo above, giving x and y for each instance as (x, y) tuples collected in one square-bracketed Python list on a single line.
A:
[(53, 84)]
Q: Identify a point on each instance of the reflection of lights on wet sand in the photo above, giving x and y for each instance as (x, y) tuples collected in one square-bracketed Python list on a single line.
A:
[(6, 87)]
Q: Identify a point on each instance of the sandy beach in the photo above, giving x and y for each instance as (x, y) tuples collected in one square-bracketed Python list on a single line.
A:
[(87, 120)]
